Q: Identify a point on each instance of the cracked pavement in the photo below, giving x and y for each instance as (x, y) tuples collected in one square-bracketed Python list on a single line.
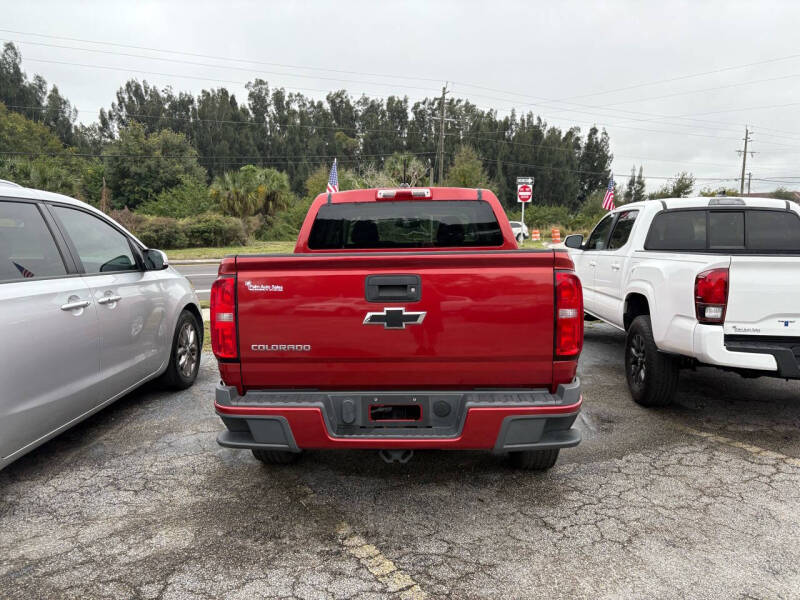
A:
[(701, 500)]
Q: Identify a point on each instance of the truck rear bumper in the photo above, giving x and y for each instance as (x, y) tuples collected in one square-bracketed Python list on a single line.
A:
[(497, 420), (711, 347)]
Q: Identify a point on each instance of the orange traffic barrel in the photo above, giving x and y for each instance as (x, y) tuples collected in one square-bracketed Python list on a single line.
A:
[(555, 235), (536, 235)]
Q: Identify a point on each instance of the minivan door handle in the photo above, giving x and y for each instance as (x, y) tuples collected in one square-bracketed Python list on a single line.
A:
[(393, 288), (75, 304), (109, 299), (615, 267)]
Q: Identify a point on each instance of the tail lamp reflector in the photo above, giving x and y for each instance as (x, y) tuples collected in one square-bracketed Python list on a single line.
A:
[(224, 340), (711, 296), (569, 315)]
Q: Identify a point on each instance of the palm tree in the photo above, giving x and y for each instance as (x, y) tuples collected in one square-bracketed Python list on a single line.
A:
[(251, 191)]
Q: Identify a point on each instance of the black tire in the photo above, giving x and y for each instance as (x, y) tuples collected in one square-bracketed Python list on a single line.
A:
[(652, 375), (180, 373), (520, 238), (534, 460), (276, 457)]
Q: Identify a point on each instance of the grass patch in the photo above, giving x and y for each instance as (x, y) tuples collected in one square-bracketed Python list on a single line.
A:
[(266, 248), (531, 245), (254, 248), (206, 336)]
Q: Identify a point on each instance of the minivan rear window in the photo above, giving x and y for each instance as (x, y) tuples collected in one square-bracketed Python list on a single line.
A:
[(735, 231), (407, 224)]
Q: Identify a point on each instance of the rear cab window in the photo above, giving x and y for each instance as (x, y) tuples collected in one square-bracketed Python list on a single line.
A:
[(27, 247), (405, 224), (749, 230)]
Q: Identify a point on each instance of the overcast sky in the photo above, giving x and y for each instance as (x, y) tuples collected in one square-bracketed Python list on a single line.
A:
[(559, 59)]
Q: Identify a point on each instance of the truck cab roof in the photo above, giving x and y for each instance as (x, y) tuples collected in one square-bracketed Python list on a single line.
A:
[(715, 201)]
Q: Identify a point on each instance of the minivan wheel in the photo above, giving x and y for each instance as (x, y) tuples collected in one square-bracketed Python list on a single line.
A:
[(520, 238), (534, 460), (275, 457), (184, 362), (652, 375)]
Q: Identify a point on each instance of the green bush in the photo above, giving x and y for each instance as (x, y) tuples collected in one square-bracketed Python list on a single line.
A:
[(162, 233), (186, 199), (213, 230), (286, 224)]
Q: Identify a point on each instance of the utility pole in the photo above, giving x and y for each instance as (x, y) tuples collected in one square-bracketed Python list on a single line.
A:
[(430, 171), (744, 158), (441, 136), (749, 178)]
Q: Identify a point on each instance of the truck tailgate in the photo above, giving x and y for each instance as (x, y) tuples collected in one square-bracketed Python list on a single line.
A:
[(483, 319), (763, 296)]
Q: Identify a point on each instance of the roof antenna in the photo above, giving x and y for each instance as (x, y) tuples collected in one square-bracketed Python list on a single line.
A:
[(404, 183)]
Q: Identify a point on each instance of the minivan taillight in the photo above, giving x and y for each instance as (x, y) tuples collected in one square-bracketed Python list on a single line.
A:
[(223, 318), (711, 296), (569, 315)]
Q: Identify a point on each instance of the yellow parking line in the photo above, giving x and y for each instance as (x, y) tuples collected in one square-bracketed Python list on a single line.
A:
[(383, 569), (396, 581), (756, 450)]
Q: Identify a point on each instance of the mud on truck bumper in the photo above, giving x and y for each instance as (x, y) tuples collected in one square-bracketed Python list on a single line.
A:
[(496, 420)]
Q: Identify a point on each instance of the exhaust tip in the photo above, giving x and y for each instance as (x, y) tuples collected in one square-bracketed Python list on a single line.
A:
[(396, 456)]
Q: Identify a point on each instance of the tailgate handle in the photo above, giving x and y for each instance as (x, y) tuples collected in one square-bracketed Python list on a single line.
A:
[(393, 288)]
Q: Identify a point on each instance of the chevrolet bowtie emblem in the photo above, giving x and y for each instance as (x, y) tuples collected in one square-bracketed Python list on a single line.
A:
[(394, 318)]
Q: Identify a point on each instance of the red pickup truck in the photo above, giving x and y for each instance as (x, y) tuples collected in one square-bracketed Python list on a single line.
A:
[(406, 319)]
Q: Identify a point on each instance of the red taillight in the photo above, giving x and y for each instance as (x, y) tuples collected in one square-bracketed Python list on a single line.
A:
[(569, 315), (223, 318), (711, 296)]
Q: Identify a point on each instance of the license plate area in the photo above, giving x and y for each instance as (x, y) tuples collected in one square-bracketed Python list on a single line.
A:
[(395, 411)]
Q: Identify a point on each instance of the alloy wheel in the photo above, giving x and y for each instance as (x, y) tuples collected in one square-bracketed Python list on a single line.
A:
[(188, 350)]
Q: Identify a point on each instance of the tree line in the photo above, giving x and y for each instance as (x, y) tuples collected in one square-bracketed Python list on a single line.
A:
[(202, 137)]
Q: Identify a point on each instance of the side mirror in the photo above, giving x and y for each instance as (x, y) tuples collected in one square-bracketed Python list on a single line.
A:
[(574, 241), (155, 260)]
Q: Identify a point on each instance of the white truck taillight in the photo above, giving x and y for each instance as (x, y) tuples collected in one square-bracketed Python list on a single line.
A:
[(224, 340), (711, 296), (569, 315)]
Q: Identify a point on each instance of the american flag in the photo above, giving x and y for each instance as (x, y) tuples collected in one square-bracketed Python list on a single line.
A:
[(333, 178), (608, 199), (25, 273)]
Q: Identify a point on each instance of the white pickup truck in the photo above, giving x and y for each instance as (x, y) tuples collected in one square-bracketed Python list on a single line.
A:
[(696, 281)]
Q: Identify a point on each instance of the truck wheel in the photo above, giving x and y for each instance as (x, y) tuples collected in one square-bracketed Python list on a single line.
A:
[(184, 361), (534, 460), (652, 375), (275, 457)]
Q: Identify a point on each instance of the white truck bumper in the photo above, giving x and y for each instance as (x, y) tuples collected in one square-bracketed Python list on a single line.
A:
[(709, 347)]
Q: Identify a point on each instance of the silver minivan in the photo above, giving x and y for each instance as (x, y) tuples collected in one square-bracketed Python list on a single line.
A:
[(87, 314)]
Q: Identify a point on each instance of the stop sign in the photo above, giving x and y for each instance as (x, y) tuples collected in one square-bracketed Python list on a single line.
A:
[(524, 193)]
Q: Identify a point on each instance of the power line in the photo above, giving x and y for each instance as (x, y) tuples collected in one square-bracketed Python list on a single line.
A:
[(240, 60), (682, 77), (322, 69), (319, 159), (136, 116), (200, 64), (242, 83)]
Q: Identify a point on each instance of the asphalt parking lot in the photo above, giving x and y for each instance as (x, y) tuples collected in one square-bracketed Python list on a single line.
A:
[(700, 501)]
